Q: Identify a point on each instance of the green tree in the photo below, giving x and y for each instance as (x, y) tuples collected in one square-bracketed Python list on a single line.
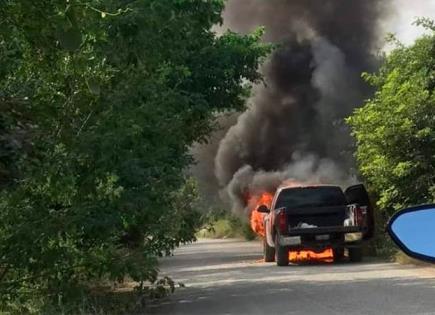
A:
[(100, 101), (395, 130)]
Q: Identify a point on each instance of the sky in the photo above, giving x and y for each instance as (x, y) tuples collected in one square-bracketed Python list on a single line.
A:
[(404, 14)]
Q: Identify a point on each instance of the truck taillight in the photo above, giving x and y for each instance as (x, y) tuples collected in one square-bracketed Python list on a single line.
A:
[(282, 222), (356, 215)]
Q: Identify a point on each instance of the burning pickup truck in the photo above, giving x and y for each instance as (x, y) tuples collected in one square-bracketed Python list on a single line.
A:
[(316, 218)]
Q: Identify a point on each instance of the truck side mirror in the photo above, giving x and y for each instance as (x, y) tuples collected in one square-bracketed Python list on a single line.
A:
[(412, 230), (263, 209)]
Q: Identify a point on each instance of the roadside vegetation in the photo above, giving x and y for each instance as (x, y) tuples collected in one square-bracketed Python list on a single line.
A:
[(99, 103), (395, 130), (222, 224)]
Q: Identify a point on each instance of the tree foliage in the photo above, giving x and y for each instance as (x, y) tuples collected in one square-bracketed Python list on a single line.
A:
[(99, 102), (395, 130)]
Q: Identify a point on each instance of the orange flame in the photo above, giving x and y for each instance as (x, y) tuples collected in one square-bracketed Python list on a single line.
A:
[(264, 198), (257, 223), (307, 255)]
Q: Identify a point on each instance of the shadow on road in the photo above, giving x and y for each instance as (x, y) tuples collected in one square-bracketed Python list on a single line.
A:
[(229, 277), (374, 296)]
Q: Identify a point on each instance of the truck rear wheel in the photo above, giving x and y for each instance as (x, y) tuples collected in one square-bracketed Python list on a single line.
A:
[(268, 252), (355, 254), (281, 254), (338, 254)]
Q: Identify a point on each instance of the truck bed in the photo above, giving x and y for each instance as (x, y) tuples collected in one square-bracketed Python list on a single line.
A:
[(320, 217)]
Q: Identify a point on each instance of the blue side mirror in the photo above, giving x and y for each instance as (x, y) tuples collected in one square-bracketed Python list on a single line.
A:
[(413, 230)]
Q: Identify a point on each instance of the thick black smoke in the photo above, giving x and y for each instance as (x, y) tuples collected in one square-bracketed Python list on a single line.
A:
[(294, 126), (203, 168)]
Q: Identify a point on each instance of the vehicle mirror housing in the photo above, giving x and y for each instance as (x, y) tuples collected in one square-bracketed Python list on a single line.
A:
[(263, 209), (412, 229)]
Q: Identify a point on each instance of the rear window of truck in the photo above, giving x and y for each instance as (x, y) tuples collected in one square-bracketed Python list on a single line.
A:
[(311, 197)]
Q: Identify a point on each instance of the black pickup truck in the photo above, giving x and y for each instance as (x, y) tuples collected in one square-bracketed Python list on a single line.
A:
[(316, 218)]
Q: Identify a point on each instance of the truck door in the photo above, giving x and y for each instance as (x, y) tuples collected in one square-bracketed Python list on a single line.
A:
[(358, 194)]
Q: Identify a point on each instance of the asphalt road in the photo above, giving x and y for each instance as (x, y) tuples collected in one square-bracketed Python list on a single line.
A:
[(228, 277)]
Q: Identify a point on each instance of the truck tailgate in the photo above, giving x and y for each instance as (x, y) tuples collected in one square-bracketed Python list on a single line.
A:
[(324, 230)]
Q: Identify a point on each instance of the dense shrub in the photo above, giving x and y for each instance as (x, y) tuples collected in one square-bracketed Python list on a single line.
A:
[(99, 102)]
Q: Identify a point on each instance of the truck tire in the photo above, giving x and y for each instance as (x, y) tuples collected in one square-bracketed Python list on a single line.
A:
[(281, 254), (338, 254), (268, 252), (355, 254)]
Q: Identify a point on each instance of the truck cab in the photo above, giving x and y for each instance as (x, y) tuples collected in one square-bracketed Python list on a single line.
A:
[(316, 218)]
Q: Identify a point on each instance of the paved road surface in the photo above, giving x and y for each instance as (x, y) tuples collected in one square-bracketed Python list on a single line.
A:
[(228, 277)]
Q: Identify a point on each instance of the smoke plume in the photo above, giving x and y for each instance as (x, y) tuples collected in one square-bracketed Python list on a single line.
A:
[(294, 125)]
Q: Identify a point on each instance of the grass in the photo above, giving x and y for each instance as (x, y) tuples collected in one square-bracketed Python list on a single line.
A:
[(402, 258), (218, 229), (227, 227)]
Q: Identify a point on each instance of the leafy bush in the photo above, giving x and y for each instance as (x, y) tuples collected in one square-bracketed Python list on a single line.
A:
[(395, 130), (99, 103)]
